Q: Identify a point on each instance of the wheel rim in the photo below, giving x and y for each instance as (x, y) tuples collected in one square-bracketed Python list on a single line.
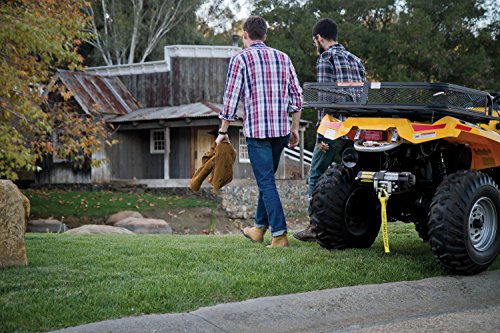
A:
[(482, 224), (356, 218)]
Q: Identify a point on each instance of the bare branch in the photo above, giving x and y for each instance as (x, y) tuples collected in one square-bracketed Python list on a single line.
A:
[(121, 27), (169, 20), (138, 7)]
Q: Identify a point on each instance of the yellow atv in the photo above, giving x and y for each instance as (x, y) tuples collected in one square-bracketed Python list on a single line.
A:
[(427, 153)]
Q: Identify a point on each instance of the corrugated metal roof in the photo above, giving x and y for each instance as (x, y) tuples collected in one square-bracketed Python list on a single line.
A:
[(195, 110), (108, 95)]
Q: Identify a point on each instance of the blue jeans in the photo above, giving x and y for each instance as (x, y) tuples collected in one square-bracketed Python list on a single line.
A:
[(322, 160), (265, 156)]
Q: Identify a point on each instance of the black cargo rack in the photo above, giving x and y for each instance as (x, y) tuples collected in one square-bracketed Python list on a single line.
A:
[(415, 100)]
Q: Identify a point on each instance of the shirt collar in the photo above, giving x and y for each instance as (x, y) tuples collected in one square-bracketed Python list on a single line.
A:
[(336, 46), (258, 44)]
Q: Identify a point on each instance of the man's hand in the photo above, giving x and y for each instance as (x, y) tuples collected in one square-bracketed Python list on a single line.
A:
[(221, 137), (294, 138), (323, 147)]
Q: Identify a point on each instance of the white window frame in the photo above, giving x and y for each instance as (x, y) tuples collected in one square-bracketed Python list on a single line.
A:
[(152, 141), (243, 148)]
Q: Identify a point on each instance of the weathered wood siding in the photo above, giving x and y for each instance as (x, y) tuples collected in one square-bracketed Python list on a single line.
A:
[(131, 157), (61, 173), (191, 80), (150, 90), (180, 152), (102, 173), (198, 79)]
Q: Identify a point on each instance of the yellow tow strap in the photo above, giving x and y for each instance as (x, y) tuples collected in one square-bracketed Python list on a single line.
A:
[(383, 196)]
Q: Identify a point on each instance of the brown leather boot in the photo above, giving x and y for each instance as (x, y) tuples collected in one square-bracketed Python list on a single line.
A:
[(254, 234), (306, 235), (279, 241)]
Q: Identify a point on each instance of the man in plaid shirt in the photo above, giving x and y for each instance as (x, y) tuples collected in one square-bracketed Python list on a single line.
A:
[(265, 81), (334, 64)]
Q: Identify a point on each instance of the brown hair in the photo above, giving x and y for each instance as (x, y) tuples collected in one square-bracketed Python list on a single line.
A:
[(256, 27)]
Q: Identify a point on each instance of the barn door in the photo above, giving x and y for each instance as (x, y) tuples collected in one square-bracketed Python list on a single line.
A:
[(204, 139)]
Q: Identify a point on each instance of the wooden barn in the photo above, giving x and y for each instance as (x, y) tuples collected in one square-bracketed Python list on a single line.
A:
[(165, 115)]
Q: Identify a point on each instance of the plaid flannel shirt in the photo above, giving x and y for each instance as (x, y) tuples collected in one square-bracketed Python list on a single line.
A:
[(265, 81), (336, 64)]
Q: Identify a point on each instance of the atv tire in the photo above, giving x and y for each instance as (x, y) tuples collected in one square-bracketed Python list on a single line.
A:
[(343, 213), (463, 222)]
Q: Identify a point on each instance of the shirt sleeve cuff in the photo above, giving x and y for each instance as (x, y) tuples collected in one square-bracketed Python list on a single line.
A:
[(227, 117)]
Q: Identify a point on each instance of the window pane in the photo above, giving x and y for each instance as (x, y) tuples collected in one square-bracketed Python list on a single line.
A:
[(158, 141), (243, 150)]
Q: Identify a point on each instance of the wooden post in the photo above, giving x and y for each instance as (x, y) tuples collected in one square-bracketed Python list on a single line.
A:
[(166, 155), (301, 145)]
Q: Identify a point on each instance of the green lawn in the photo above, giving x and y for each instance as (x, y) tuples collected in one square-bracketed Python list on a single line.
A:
[(45, 203), (73, 280)]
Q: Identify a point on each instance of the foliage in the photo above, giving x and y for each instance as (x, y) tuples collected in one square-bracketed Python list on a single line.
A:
[(128, 32), (411, 40), (73, 280), (60, 204), (36, 38)]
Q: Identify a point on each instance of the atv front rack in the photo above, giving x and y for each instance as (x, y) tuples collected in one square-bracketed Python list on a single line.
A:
[(413, 100)]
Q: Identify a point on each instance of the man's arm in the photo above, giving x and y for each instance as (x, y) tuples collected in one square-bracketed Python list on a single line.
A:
[(294, 91), (223, 129), (232, 94), (325, 73), (294, 106), (294, 134)]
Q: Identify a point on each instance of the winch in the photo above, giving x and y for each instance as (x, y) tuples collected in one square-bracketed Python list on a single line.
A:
[(385, 183)]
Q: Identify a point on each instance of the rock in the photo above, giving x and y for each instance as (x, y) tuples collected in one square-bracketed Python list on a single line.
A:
[(14, 213), (145, 226), (47, 225), (91, 229), (122, 215)]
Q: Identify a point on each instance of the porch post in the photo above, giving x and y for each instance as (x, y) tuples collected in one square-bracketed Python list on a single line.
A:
[(166, 155), (301, 144)]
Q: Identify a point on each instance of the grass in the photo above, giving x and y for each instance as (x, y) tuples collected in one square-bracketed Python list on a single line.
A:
[(72, 280), (98, 204)]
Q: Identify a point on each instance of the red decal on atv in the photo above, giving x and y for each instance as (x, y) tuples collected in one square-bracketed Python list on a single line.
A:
[(463, 128), (418, 128)]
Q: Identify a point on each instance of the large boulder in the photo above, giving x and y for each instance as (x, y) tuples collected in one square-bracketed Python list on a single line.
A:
[(14, 213), (121, 216), (96, 229), (145, 226), (46, 225)]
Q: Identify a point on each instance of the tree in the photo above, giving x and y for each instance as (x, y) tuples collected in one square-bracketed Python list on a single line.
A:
[(436, 41), (126, 32), (36, 38)]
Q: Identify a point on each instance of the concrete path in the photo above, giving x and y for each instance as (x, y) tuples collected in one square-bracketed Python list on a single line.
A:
[(442, 304)]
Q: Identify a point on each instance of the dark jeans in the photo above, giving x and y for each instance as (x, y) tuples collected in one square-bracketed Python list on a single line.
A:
[(265, 156)]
